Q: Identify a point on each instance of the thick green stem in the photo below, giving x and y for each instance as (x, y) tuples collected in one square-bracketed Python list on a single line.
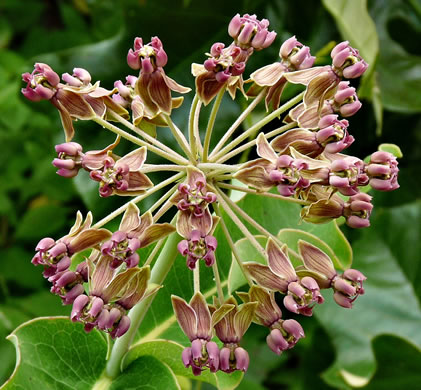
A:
[(211, 123), (256, 127), (238, 121), (159, 271)]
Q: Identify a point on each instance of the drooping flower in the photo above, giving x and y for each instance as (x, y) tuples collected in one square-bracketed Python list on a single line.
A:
[(153, 85), (347, 287), (55, 256), (323, 81), (110, 296), (135, 232), (69, 159), (197, 323), (294, 56), (284, 334), (271, 170), (382, 170), (230, 329), (301, 294)]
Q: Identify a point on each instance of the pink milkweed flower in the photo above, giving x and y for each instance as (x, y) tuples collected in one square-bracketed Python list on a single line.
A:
[(111, 295), (223, 69), (383, 170), (55, 256), (294, 56), (135, 232), (345, 101), (197, 247), (41, 84), (323, 81), (230, 329), (347, 287), (333, 134), (69, 159), (121, 176), (153, 85), (247, 31), (197, 323), (301, 294), (271, 169), (357, 210), (284, 334)]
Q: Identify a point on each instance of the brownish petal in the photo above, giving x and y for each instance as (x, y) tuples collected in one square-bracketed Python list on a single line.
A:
[(97, 105), (75, 105), (193, 175), (204, 322), (183, 224), (101, 276), (275, 93), (221, 312), (323, 211), (134, 159), (66, 121), (267, 310), (207, 87), (279, 262), (159, 92), (203, 224), (138, 181), (265, 277), (244, 317), (94, 159), (88, 239), (264, 149), (113, 106), (256, 177), (130, 219), (268, 75), (145, 221), (173, 85), (141, 88), (119, 285), (306, 75), (155, 232), (316, 260), (186, 316), (318, 88)]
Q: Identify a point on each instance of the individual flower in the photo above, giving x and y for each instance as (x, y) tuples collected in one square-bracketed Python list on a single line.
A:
[(55, 256), (223, 69), (230, 329), (323, 81), (357, 210), (249, 32), (69, 159), (111, 295), (134, 232), (284, 334), (294, 56), (345, 102), (301, 294), (122, 176), (382, 170), (272, 170), (197, 323), (153, 85), (347, 287), (76, 99)]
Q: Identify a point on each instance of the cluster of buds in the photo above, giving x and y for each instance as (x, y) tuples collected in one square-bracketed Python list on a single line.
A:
[(304, 162)]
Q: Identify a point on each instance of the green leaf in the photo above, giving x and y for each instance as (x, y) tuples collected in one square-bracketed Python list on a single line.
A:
[(53, 353), (390, 304), (247, 252), (398, 66), (391, 148), (48, 220), (169, 353), (146, 372), (348, 15)]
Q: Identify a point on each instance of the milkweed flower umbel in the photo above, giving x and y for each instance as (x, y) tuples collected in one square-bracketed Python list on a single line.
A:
[(106, 272)]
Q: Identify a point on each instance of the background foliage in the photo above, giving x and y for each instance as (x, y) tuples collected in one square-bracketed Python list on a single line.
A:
[(374, 346)]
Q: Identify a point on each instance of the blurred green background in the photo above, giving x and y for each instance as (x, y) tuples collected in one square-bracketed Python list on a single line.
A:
[(96, 34)]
